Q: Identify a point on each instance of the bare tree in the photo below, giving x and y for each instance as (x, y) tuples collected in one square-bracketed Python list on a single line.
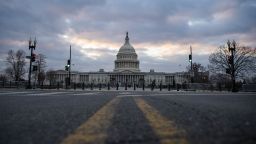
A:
[(41, 77), (3, 77), (221, 81), (250, 80), (200, 73), (41, 62), (253, 80), (244, 60), (196, 67), (16, 64), (41, 65)]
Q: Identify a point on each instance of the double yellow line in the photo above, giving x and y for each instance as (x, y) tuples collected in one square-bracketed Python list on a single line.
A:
[(94, 130)]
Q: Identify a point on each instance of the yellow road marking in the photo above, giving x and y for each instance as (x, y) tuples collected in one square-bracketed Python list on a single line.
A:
[(164, 128), (94, 130)]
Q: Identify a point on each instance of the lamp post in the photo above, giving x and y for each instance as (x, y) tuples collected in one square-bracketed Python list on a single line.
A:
[(143, 85), (191, 63), (69, 70), (108, 86), (134, 85), (232, 49), (125, 84), (160, 86), (31, 46)]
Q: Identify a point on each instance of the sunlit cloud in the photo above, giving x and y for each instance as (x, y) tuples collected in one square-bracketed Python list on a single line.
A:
[(93, 54), (168, 49), (197, 22), (225, 15), (12, 42)]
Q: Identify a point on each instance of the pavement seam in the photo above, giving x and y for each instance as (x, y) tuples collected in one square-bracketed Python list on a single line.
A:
[(86, 93), (44, 94)]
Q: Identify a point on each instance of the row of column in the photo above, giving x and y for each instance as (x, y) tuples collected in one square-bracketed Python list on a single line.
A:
[(129, 78), (129, 65), (169, 79)]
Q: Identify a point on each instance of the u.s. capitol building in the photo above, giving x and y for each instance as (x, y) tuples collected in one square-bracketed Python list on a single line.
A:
[(126, 71)]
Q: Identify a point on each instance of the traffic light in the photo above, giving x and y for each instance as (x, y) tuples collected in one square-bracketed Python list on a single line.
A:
[(190, 58), (68, 62), (33, 57), (66, 68), (34, 68)]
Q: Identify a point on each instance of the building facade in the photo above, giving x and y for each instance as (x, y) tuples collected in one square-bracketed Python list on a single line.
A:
[(126, 71)]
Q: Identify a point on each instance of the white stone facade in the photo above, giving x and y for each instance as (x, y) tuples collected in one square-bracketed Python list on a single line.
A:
[(126, 58)]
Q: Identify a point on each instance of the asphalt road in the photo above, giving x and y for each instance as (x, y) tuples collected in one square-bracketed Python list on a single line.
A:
[(60, 116)]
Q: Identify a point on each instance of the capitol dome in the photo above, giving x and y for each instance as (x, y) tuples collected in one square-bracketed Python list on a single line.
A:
[(127, 47), (126, 58)]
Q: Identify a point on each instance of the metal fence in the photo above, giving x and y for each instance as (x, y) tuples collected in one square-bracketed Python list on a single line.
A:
[(91, 86), (249, 87), (13, 84)]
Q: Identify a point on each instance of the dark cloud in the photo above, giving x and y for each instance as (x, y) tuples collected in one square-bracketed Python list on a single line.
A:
[(206, 22)]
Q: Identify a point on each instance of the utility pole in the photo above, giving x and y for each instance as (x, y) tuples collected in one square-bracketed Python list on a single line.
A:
[(232, 49), (69, 71), (68, 68), (31, 46), (191, 63)]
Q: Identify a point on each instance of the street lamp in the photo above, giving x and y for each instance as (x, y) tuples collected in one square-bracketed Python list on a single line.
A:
[(191, 63), (31, 46), (143, 85), (134, 85), (125, 84), (232, 49)]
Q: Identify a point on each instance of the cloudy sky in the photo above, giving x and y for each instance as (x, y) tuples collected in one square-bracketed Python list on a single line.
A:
[(161, 31)]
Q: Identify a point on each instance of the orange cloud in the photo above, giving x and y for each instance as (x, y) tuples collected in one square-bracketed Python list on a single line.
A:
[(91, 48)]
